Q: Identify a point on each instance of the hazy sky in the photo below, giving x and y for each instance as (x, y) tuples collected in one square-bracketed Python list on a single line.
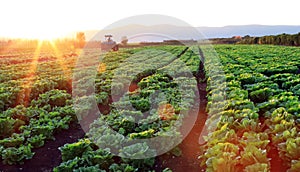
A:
[(53, 18)]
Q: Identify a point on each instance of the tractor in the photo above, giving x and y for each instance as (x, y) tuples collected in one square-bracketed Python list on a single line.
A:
[(109, 44)]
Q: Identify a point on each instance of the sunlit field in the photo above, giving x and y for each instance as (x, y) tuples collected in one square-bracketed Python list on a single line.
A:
[(250, 103)]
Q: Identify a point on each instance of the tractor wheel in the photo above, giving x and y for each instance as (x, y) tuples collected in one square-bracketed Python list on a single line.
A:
[(116, 48)]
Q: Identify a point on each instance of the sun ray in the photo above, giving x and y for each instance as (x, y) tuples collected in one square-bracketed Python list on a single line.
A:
[(24, 95), (60, 59)]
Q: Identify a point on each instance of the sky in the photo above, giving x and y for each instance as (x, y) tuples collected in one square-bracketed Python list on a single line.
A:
[(46, 19)]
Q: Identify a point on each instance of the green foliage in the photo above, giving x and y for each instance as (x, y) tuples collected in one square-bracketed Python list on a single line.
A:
[(37, 140), (33, 104), (142, 135), (34, 126), (15, 155), (53, 98), (127, 115), (81, 156), (263, 167), (222, 156), (121, 168), (261, 95), (261, 108), (14, 141), (296, 89), (137, 151), (142, 105), (258, 107), (89, 169), (70, 151), (295, 166), (176, 151), (6, 127), (102, 98), (68, 166)]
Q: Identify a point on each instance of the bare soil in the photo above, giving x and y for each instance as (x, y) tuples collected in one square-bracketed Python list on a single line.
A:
[(48, 156)]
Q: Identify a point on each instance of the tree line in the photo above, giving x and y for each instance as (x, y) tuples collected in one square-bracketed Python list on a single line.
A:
[(77, 42), (282, 39)]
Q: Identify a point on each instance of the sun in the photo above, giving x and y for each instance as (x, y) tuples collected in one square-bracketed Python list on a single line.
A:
[(45, 35), (41, 33)]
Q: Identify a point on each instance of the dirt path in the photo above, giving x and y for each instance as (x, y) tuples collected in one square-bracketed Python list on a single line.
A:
[(190, 147)]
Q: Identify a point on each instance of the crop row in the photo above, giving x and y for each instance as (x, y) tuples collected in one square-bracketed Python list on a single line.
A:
[(34, 101), (27, 76), (152, 91), (253, 108)]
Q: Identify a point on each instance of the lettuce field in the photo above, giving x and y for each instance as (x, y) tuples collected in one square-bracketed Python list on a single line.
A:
[(226, 108)]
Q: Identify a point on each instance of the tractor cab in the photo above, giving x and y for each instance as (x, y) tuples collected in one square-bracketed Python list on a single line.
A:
[(109, 44)]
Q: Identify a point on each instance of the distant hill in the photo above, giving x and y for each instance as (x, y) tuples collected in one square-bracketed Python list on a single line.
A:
[(252, 30), (138, 33)]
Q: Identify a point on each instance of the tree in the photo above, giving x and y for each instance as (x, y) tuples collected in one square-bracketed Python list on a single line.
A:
[(124, 40), (256, 40), (80, 39)]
